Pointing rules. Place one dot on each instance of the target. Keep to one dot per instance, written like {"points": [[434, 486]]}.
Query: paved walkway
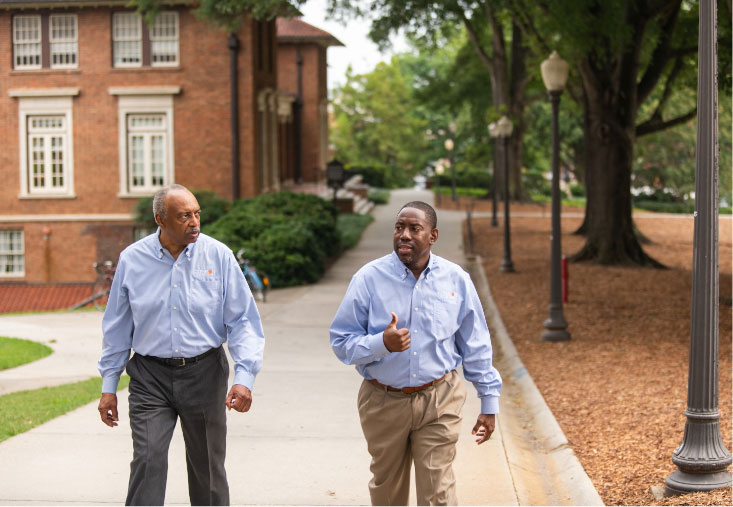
{"points": [[300, 445]]}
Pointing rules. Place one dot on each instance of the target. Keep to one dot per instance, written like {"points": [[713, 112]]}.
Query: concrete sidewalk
{"points": [[301, 444]]}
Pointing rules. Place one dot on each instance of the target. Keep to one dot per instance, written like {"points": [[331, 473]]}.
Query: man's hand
{"points": [[396, 340], [239, 398], [484, 427], [108, 409]]}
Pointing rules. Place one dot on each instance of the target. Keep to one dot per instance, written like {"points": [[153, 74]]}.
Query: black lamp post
{"points": [[702, 458], [335, 176], [439, 169], [503, 130], [449, 145], [555, 74], [492, 133]]}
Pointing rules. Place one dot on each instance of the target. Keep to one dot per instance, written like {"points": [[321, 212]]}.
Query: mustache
{"points": [[191, 230]]}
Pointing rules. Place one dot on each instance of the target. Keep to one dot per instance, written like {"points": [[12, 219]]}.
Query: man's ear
{"points": [[433, 236], [158, 221]]}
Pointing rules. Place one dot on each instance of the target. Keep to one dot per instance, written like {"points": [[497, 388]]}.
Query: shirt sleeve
{"points": [[246, 339], [350, 339], [474, 345], [117, 329]]}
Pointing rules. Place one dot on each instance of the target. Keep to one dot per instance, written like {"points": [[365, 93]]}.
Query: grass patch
{"points": [[350, 226], [465, 191], [577, 202], [16, 351], [25, 410], [379, 195]]}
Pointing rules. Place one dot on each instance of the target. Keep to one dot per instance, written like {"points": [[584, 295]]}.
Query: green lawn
{"points": [[25, 410], [15, 351], [350, 226]]}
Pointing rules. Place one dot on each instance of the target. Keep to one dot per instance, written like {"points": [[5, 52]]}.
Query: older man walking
{"points": [[177, 296], [407, 321]]}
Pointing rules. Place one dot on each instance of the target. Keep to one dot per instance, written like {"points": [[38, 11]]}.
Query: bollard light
{"points": [[449, 145], [503, 130]]}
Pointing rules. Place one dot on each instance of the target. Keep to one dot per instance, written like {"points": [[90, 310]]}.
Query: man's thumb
{"points": [[393, 323]]}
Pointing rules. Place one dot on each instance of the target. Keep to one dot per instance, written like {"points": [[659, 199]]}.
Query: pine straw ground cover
{"points": [[619, 388]]}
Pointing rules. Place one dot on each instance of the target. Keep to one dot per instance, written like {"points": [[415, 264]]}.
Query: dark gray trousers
{"points": [[159, 395]]}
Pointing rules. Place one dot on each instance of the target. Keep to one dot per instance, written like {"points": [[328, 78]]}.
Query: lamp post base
{"points": [[494, 222], [555, 335], [681, 483], [507, 266]]}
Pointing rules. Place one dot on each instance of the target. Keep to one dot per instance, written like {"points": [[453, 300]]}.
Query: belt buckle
{"points": [[181, 359]]}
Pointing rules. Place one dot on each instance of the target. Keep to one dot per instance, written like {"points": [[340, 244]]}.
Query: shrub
{"points": [[287, 235], [535, 183], [468, 178], [665, 207], [213, 207], [577, 190], [379, 195]]}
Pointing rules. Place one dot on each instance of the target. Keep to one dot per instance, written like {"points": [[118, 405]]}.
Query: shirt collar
{"points": [[159, 250], [404, 270]]}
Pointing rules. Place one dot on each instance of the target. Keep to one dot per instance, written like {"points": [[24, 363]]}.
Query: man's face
{"points": [[182, 222], [413, 237]]}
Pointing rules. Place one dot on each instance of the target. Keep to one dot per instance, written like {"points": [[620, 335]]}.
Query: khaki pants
{"points": [[423, 427]]}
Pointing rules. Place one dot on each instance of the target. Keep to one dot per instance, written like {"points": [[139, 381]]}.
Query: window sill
{"points": [[47, 196], [146, 68], [132, 195], [43, 72]]}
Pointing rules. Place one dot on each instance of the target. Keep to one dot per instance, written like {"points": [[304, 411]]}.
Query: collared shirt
{"points": [[443, 313], [166, 307]]}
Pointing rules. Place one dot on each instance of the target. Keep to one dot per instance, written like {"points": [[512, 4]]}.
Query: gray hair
{"points": [[159, 199]]}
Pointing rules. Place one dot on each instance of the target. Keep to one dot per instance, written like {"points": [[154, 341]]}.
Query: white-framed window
{"points": [[145, 119], [26, 42], [164, 39], [127, 39], [63, 41], [46, 147], [12, 253], [146, 142], [131, 49]]}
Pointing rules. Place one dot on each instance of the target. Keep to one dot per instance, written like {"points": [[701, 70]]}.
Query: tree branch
{"points": [[661, 54], [473, 37], [655, 124], [668, 87]]}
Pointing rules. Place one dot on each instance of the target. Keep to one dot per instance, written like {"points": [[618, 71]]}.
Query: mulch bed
{"points": [[619, 387]]}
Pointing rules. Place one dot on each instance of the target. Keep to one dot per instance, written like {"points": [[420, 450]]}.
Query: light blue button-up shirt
{"points": [[443, 313], [166, 307]]}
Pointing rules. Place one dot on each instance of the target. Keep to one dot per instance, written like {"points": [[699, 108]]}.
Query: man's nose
{"points": [[405, 233]]}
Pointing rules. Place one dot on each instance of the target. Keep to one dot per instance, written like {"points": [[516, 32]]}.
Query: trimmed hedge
{"points": [[286, 235]]}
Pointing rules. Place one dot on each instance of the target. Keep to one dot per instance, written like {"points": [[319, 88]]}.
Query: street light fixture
{"points": [[555, 75], [503, 130], [493, 134], [449, 145], [702, 459]]}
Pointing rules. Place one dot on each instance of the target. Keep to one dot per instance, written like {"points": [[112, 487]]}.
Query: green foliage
{"points": [[468, 177], [287, 235], [536, 183], [24, 410], [227, 15], [377, 124], [479, 193], [577, 190], [15, 352], [350, 227], [665, 207], [379, 195], [212, 208]]}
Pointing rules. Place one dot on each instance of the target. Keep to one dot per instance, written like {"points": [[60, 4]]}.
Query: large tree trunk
{"points": [[610, 233]]}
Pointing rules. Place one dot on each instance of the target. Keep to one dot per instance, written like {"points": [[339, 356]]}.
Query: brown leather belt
{"points": [[407, 390]]}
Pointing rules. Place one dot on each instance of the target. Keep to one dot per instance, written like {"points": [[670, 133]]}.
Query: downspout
{"points": [[233, 44], [298, 119]]}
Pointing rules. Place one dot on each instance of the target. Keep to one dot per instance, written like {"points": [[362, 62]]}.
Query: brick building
{"points": [[302, 80], [98, 109]]}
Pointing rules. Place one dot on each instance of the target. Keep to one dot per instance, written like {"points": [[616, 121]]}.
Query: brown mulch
{"points": [[619, 387]]}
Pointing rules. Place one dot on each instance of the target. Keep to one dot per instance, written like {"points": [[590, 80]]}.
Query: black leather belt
{"points": [[178, 362]]}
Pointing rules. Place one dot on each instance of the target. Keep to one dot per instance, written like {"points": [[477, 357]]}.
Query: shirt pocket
{"points": [[447, 305], [205, 292]]}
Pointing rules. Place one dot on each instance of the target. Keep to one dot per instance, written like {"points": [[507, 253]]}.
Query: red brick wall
{"points": [[315, 89], [202, 135]]}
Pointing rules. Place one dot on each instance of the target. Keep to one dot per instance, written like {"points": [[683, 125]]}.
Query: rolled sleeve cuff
{"points": [[490, 405], [245, 379], [377, 346], [109, 384]]}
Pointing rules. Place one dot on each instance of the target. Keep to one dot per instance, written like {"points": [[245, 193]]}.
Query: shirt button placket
{"points": [[175, 302]]}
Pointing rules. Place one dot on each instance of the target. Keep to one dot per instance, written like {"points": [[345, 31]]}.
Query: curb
{"points": [[544, 467]]}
